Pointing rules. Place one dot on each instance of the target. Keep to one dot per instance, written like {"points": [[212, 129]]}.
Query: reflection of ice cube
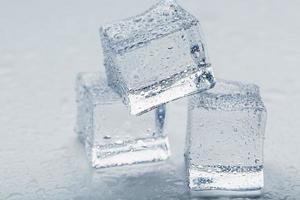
{"points": [[111, 135], [225, 140], [156, 57], [139, 182]]}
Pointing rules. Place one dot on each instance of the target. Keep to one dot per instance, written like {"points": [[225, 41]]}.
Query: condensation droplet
{"points": [[107, 137]]}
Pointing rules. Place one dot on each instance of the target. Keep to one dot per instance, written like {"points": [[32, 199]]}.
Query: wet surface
{"points": [[43, 45]]}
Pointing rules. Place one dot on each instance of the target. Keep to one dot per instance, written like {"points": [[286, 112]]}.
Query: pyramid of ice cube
{"points": [[154, 58]]}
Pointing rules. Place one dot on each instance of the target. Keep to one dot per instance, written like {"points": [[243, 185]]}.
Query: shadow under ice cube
{"points": [[224, 150], [156, 57], [112, 136]]}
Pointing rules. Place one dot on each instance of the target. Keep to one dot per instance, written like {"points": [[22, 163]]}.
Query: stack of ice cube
{"points": [[154, 58]]}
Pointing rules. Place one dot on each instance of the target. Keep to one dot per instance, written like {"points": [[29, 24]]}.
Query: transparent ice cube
{"points": [[156, 57], [224, 150], [112, 136]]}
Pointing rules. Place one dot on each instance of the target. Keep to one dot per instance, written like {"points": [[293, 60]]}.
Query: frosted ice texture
{"points": [[156, 57], [225, 134], [111, 135]]}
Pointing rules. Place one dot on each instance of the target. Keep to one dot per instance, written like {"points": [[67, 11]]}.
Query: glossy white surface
{"points": [[44, 44]]}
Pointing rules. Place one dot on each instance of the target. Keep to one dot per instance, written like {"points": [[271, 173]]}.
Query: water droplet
{"points": [[200, 166], [150, 19], [119, 142], [137, 19], [118, 36], [195, 49], [141, 143], [106, 137], [165, 13]]}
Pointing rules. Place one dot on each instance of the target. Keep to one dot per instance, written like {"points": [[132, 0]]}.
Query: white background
{"points": [[44, 44]]}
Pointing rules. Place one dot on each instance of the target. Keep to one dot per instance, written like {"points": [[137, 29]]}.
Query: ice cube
{"points": [[112, 136], [156, 57], [224, 150]]}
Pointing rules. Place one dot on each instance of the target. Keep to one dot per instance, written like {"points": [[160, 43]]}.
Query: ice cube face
{"points": [[156, 57], [112, 136], [224, 150]]}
